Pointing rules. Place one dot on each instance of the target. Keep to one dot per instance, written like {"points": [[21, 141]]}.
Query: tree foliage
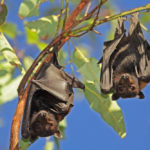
{"points": [[42, 26]]}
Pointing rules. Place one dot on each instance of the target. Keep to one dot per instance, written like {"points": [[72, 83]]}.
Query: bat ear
{"points": [[58, 134], [115, 96], [140, 95]]}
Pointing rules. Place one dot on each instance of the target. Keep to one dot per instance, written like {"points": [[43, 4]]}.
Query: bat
{"points": [[126, 62], [49, 100]]}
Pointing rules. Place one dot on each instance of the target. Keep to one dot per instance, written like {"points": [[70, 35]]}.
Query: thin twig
{"points": [[70, 58], [59, 19], [90, 14], [96, 32], [57, 143], [87, 9], [94, 21], [66, 14]]}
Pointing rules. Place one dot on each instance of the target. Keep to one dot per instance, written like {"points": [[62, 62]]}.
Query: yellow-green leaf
{"points": [[45, 27], [24, 144], [9, 91], [27, 62], [49, 146], [9, 29], [62, 57], [6, 71], [9, 53], [145, 18], [79, 57], [62, 127], [33, 38], [29, 8], [108, 109]]}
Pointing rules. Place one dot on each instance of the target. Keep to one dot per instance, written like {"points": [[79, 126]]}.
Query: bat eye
{"points": [[132, 88], [51, 124], [121, 89]]}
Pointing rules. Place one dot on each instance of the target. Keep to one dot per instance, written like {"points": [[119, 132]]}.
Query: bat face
{"points": [[43, 119], [43, 124], [126, 86]]}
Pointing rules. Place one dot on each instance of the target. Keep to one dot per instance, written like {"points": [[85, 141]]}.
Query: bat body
{"points": [[126, 62], [50, 99]]}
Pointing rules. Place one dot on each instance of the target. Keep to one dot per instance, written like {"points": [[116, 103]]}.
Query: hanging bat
{"points": [[49, 100], [126, 62]]}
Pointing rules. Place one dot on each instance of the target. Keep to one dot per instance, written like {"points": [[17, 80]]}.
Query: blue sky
{"points": [[85, 128]]}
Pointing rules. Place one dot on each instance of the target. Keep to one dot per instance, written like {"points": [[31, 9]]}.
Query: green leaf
{"points": [[29, 8], [33, 38], [3, 13], [79, 57], [9, 53], [52, 1], [108, 109], [9, 29], [5, 78], [110, 32], [145, 18], [24, 144], [9, 91], [45, 26], [61, 57], [6, 71], [62, 127], [91, 71], [49, 146], [27, 62]]}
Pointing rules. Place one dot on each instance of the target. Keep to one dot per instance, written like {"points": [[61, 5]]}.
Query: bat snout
{"points": [[124, 78]]}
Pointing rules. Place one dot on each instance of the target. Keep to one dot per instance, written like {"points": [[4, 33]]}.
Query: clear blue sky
{"points": [[85, 128]]}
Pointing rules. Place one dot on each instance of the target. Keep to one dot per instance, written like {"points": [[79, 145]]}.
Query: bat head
{"points": [[126, 86], [43, 123]]}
